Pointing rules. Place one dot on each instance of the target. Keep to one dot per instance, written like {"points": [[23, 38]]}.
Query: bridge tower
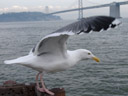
{"points": [[80, 6], [46, 9], [115, 10]]}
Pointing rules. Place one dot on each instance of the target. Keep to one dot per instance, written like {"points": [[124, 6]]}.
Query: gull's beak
{"points": [[96, 59]]}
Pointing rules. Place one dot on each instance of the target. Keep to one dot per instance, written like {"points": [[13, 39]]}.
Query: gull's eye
{"points": [[89, 53]]}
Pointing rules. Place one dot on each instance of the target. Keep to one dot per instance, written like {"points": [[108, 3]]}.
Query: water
{"points": [[88, 78]]}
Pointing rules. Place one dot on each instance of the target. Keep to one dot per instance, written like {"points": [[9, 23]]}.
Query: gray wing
{"points": [[55, 43], [95, 24], [52, 44]]}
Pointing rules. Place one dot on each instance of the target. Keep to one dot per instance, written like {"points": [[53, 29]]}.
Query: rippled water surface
{"points": [[88, 78]]}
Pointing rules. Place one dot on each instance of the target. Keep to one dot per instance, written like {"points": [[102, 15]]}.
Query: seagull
{"points": [[51, 54]]}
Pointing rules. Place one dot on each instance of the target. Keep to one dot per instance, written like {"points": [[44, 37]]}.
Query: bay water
{"points": [[88, 78]]}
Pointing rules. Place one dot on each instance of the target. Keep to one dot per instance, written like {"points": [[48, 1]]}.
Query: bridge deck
{"points": [[90, 7]]}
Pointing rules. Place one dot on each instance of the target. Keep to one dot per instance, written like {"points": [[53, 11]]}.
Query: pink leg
{"points": [[43, 86], [37, 84], [43, 89]]}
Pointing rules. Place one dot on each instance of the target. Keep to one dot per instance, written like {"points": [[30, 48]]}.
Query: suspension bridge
{"points": [[114, 9]]}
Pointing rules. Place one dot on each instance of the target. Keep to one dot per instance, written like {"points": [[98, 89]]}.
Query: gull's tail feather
{"points": [[20, 60], [9, 62], [14, 61]]}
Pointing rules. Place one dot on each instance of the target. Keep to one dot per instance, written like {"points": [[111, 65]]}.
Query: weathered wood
{"points": [[57, 91], [11, 88]]}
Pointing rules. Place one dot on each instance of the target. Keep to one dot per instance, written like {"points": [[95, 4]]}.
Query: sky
{"points": [[56, 5]]}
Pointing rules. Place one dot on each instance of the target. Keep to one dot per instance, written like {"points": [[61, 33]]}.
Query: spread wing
{"points": [[51, 44], [55, 43]]}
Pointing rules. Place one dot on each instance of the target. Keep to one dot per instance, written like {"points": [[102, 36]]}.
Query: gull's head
{"points": [[86, 54]]}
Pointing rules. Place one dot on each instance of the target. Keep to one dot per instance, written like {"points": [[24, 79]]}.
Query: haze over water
{"points": [[88, 78]]}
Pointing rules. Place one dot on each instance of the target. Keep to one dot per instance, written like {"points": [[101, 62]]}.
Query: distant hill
{"points": [[27, 16]]}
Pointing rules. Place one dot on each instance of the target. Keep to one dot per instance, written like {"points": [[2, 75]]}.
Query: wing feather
{"points": [[55, 43]]}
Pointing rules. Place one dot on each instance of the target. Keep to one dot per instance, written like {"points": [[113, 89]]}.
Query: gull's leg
{"points": [[37, 84], [43, 86]]}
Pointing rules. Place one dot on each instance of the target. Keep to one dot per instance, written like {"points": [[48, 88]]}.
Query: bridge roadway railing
{"points": [[84, 8], [90, 7]]}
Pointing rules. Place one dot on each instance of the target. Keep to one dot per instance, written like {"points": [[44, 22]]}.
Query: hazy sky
{"points": [[55, 5]]}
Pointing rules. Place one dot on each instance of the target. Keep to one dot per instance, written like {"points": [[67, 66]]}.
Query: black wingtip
{"points": [[100, 23]]}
